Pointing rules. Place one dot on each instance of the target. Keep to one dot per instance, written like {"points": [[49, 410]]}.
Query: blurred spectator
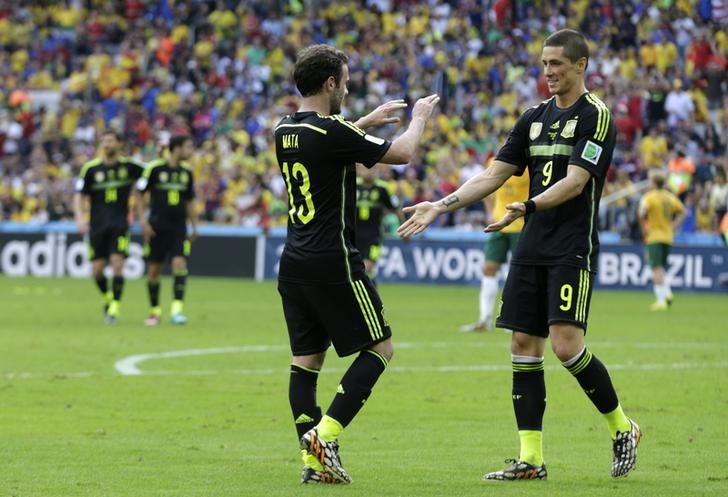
{"points": [[680, 171], [218, 70]]}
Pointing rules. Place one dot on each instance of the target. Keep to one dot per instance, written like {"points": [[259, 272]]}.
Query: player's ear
{"points": [[582, 64]]}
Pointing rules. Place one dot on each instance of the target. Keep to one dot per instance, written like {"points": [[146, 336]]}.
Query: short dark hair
{"points": [[573, 43], [113, 133], [314, 65], [177, 141]]}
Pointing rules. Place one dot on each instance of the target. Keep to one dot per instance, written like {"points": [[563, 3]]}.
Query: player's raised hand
{"points": [[424, 106], [381, 115], [515, 210], [423, 214]]}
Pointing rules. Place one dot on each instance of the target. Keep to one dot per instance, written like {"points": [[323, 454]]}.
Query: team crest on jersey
{"points": [[99, 176], [163, 176], [591, 152], [535, 130], [123, 173], [184, 177], [569, 128]]}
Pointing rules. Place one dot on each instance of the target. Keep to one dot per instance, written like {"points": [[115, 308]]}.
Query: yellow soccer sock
{"points": [[155, 311], [311, 461], [177, 307], [108, 297], [113, 308], [329, 429], [617, 421], [531, 447]]}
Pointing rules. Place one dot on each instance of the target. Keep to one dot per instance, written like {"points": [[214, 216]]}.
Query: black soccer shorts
{"points": [[349, 315], [535, 297], [167, 242], [104, 242]]}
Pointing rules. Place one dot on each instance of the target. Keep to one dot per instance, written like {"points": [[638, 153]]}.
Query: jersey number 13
{"points": [[301, 208]]}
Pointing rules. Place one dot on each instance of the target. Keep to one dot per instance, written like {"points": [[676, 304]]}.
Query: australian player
{"points": [[499, 245], [660, 213]]}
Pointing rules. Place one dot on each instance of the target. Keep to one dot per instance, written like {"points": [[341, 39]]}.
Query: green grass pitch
{"points": [[197, 424]]}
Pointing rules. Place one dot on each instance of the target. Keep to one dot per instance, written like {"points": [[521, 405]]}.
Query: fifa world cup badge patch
{"points": [[591, 152], [535, 130]]}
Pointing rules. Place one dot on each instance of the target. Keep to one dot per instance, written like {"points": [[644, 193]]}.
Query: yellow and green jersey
{"points": [[515, 189], [660, 207]]}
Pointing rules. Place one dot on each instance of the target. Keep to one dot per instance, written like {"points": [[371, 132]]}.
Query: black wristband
{"points": [[530, 206]]}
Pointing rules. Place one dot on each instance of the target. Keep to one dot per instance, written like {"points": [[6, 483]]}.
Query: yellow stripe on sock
{"points": [[314, 371], [378, 355]]}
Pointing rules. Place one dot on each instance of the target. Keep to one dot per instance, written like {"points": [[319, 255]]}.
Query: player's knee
{"points": [[528, 345], [179, 265], [385, 349], [566, 349], [490, 268], [313, 361], [567, 340]]}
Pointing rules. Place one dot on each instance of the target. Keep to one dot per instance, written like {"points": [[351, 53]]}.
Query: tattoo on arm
{"points": [[448, 201]]}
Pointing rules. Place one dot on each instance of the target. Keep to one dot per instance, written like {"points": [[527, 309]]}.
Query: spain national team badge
{"points": [[535, 130], [569, 128]]}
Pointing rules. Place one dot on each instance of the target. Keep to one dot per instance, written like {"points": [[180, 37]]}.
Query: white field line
{"points": [[129, 366], [455, 368]]}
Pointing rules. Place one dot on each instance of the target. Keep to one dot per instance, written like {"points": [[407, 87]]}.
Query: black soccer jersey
{"points": [[317, 156], [546, 139], [372, 199], [170, 189], [108, 187]]}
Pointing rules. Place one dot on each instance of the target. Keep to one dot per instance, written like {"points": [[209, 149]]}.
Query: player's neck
{"points": [[109, 160], [173, 161], [316, 103], [569, 98]]}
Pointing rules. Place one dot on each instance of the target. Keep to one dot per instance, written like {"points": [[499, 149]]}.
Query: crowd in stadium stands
{"points": [[219, 70]]}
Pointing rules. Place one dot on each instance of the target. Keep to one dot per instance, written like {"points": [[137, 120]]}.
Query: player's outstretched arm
{"points": [[476, 188], [404, 146], [561, 191], [381, 115]]}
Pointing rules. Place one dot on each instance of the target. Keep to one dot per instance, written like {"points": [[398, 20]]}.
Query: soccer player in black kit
{"points": [[107, 182], [373, 200], [326, 295], [567, 143], [171, 186]]}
